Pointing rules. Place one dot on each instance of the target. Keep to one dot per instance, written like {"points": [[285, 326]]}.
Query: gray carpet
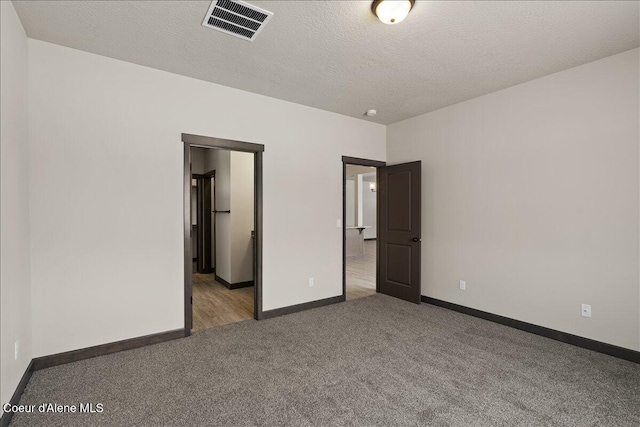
{"points": [[371, 361]]}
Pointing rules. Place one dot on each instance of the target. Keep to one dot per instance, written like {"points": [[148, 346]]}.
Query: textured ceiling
{"points": [[336, 56]]}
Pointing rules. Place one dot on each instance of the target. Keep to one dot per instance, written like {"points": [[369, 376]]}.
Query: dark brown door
{"points": [[400, 231], [205, 246]]}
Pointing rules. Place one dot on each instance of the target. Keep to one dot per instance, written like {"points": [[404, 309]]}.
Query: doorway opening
{"points": [[360, 227], [223, 231], [397, 229]]}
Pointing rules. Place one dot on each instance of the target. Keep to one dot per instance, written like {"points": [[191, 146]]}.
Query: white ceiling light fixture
{"points": [[392, 11]]}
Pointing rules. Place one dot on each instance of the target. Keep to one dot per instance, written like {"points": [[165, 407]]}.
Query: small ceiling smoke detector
{"points": [[237, 18], [392, 11], [371, 113]]}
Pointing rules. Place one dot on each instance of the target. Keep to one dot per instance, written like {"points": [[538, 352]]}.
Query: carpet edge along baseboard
{"points": [[103, 349], [589, 344], [301, 307], [17, 394]]}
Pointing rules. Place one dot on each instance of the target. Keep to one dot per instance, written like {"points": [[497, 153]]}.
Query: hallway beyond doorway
{"points": [[216, 305], [361, 272]]}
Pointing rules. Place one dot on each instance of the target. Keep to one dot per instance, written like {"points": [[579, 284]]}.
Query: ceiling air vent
{"points": [[237, 18]]}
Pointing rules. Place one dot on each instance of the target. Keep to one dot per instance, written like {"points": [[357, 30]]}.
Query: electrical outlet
{"points": [[310, 281], [463, 285], [586, 310], [15, 350]]}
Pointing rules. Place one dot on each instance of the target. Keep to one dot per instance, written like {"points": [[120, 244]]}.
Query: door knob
{"points": [[416, 239]]}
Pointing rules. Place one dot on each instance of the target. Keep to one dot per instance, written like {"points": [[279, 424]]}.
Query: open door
{"points": [[400, 229]]}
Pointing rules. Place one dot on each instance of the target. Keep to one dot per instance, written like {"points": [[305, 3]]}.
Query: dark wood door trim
{"points": [[362, 162], [221, 143], [231, 145], [358, 162], [188, 257], [257, 242]]}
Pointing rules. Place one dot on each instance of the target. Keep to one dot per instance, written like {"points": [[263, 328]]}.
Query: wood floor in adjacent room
{"points": [[215, 305], [361, 272]]}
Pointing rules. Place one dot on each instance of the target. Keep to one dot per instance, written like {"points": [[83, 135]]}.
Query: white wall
{"points": [[350, 202], [369, 206], [194, 206], [531, 195], [15, 282], [233, 191], [197, 161], [220, 161], [93, 122], [242, 213]]}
